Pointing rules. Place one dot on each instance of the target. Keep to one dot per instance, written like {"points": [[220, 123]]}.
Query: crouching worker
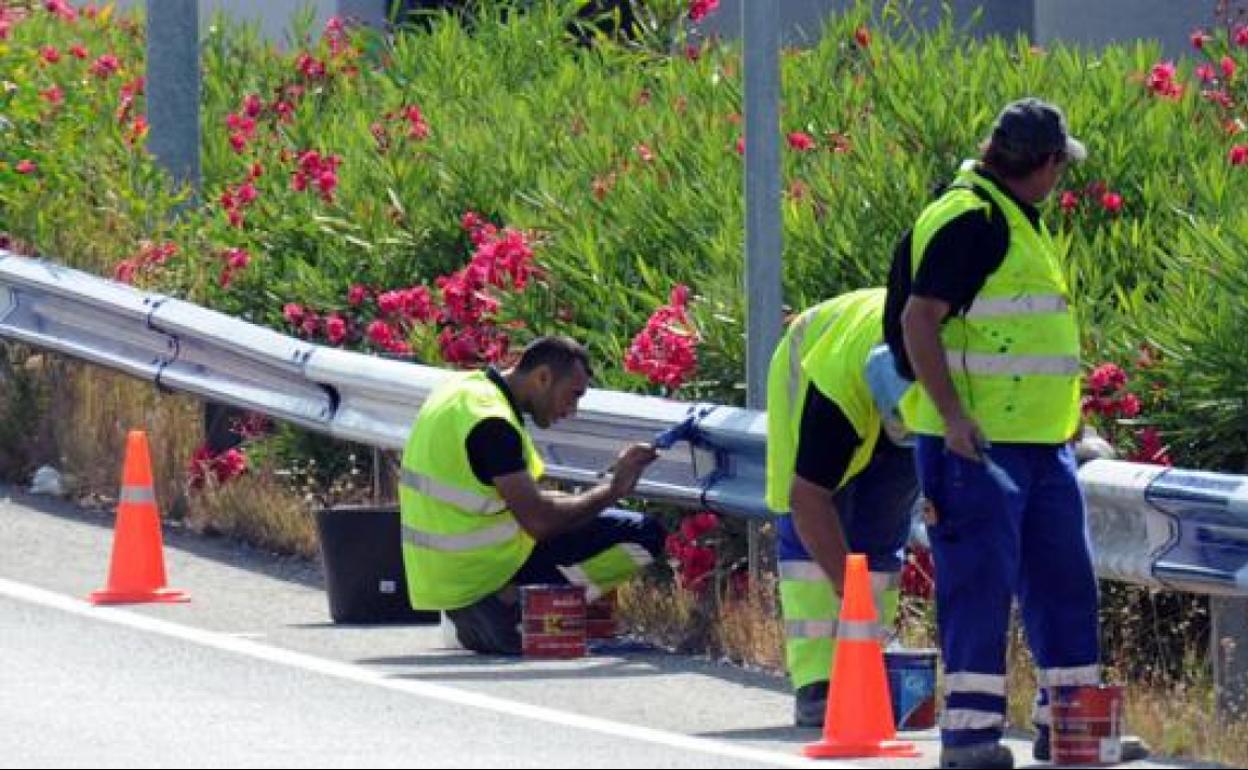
{"points": [[476, 525], [839, 471]]}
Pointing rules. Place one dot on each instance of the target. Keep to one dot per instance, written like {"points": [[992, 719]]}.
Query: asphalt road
{"points": [[252, 673]]}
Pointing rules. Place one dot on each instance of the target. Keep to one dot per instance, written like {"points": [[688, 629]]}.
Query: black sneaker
{"points": [[810, 704], [981, 755], [1133, 748], [489, 626]]}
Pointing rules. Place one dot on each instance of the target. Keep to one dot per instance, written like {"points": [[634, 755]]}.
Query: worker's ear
{"points": [[543, 377]]}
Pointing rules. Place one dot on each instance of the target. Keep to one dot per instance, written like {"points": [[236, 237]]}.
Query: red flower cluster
{"points": [[918, 573], [700, 9], [1151, 449], [462, 309], [801, 141], [220, 468], [1107, 394], [1111, 202], [1161, 82], [61, 8], [150, 255], [417, 129], [318, 170], [690, 548], [665, 351], [9, 17]]}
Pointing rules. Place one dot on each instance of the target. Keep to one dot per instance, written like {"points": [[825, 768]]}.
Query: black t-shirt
{"points": [[956, 264], [826, 441], [494, 446]]}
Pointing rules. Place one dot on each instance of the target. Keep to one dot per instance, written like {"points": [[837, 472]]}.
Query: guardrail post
{"points": [[1229, 642]]}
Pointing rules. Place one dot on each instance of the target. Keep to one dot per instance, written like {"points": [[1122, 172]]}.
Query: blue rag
{"points": [[684, 430]]}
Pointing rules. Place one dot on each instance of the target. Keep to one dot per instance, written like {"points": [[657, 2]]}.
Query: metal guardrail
{"points": [[1155, 526], [186, 348], [1161, 527]]}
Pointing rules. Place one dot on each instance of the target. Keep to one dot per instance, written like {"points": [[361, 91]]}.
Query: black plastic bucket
{"points": [[363, 563]]}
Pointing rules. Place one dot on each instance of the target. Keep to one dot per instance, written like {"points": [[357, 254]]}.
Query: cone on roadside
{"points": [[859, 719], [137, 571]]}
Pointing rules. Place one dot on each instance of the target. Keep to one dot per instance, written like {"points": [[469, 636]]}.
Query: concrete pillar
{"points": [[173, 88]]}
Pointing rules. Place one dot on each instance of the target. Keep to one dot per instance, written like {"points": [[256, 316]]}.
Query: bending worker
{"points": [[848, 485], [476, 525]]}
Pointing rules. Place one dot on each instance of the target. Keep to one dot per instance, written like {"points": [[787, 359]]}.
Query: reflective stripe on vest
{"points": [[137, 494], [801, 328], [805, 571], [445, 493], [579, 574], [986, 363], [468, 541], [1026, 305], [810, 629]]}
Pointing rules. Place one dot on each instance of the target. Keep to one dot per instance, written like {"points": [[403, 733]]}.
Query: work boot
{"points": [[810, 704], [490, 626], [1133, 748], [990, 756]]}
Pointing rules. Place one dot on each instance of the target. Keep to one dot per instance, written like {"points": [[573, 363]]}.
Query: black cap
{"points": [[1030, 126]]}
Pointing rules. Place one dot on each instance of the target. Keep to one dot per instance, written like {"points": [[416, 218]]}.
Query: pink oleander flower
{"points": [[700, 9], [335, 329], [801, 141], [105, 66]]}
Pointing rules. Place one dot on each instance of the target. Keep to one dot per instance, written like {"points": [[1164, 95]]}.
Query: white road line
{"points": [[361, 675]]}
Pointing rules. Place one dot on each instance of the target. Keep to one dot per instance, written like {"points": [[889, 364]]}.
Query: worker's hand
{"points": [[629, 466], [963, 437]]}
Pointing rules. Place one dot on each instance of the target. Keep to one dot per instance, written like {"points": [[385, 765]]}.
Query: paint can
{"points": [[553, 621], [1086, 724], [600, 617], [912, 687]]}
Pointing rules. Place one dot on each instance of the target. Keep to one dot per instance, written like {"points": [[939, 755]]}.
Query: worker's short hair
{"points": [[559, 352]]}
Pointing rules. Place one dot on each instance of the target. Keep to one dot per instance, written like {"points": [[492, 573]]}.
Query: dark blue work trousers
{"points": [[991, 546]]}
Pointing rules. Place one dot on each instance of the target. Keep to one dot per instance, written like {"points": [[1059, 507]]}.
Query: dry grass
{"points": [[83, 431], [257, 508], [93, 410], [744, 630]]}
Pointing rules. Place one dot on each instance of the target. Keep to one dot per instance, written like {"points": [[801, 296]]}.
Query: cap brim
{"points": [[1075, 150]]}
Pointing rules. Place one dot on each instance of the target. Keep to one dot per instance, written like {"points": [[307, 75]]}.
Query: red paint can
{"points": [[1087, 724], [600, 617], [553, 621]]}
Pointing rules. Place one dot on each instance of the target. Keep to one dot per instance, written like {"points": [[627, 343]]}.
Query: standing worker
{"points": [[832, 461], [476, 525], [979, 300]]}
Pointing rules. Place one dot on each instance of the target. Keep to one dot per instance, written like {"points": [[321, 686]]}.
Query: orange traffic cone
{"points": [[859, 719], [137, 571]]}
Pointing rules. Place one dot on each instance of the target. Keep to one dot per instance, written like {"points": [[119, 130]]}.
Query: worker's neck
{"points": [[1028, 189]]}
